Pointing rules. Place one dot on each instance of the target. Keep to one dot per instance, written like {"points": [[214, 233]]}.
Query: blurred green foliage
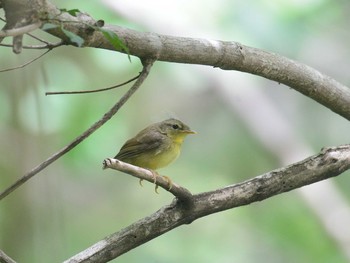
{"points": [[73, 203]]}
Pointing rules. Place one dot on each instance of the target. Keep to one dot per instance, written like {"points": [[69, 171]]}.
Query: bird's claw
{"points": [[170, 184], [154, 175]]}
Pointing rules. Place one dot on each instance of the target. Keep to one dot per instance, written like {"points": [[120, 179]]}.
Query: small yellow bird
{"points": [[156, 146]]}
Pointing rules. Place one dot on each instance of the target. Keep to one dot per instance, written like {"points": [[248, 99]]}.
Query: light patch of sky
{"points": [[47, 115], [291, 5], [185, 18]]}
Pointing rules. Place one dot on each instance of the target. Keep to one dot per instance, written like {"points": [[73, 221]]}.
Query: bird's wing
{"points": [[145, 143]]}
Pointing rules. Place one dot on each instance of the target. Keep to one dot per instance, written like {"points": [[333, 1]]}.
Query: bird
{"points": [[156, 146]]}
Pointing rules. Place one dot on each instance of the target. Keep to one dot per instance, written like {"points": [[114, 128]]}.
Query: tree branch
{"points": [[5, 258], [178, 191], [227, 55], [91, 91], [21, 18], [328, 163], [27, 63], [147, 64]]}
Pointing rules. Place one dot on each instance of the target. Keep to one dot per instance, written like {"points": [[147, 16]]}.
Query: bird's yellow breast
{"points": [[160, 158]]}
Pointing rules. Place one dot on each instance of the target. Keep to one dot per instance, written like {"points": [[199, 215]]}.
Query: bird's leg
{"points": [[154, 175], [140, 182], [170, 183]]}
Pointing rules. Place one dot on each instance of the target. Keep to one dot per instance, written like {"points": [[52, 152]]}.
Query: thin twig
{"points": [[39, 39], [27, 63], [5, 258], [180, 192], [147, 64], [91, 91], [48, 46], [20, 30]]}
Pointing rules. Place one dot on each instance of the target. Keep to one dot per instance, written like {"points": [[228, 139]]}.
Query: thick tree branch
{"points": [[223, 54], [328, 163], [277, 131]]}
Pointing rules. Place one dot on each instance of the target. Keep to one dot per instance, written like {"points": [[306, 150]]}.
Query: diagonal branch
{"points": [[27, 63], [5, 258], [147, 64], [328, 163]]}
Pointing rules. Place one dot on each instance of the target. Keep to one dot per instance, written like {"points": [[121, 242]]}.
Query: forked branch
{"points": [[328, 163]]}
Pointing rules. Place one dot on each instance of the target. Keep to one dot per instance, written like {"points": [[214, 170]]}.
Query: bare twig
{"points": [[19, 30], [48, 46], [39, 39], [178, 191], [91, 91], [25, 64], [147, 64], [328, 163], [5, 258]]}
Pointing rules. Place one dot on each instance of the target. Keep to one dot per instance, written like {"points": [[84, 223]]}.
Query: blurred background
{"points": [[246, 126]]}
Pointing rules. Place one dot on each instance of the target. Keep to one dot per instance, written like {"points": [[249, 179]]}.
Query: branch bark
{"points": [[328, 163], [21, 18], [5, 258], [227, 55], [178, 191]]}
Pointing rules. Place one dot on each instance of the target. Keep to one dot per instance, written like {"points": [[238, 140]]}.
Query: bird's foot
{"points": [[170, 183], [155, 175]]}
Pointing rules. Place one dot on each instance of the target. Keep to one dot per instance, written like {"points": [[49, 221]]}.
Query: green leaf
{"points": [[116, 42], [72, 12], [73, 37]]}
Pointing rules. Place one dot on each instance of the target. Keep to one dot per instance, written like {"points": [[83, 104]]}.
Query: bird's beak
{"points": [[189, 132]]}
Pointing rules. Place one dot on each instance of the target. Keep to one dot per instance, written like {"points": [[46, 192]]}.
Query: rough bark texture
{"points": [[228, 56], [330, 162], [223, 54]]}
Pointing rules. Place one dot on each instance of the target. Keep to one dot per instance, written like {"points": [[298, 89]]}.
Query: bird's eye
{"points": [[175, 126]]}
